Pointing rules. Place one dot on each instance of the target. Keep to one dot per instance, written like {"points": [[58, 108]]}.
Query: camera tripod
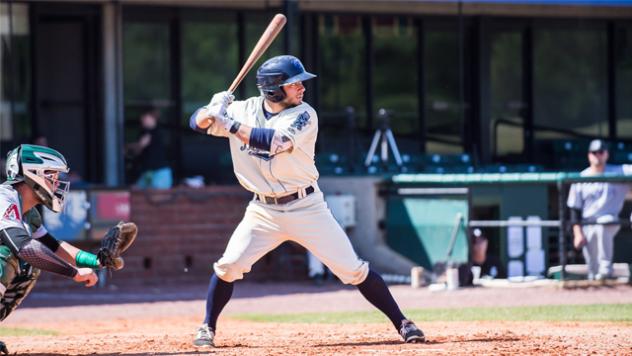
{"points": [[384, 135]]}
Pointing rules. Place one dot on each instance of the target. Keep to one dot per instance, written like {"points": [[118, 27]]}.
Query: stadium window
{"points": [[15, 70], [570, 81], [506, 93], [442, 104], [147, 75], [203, 34], [341, 80], [395, 77], [623, 75]]}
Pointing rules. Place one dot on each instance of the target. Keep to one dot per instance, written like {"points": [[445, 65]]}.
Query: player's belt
{"points": [[284, 199]]}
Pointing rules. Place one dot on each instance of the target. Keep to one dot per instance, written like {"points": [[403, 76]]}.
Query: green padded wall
{"points": [[420, 228]]}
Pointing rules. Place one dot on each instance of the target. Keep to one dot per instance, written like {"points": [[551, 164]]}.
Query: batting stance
{"points": [[272, 140], [26, 247]]}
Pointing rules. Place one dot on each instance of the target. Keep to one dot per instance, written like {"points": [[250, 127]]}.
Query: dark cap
{"points": [[597, 145]]}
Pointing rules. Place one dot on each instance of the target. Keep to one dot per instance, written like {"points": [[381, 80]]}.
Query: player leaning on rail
{"points": [[26, 247], [272, 139]]}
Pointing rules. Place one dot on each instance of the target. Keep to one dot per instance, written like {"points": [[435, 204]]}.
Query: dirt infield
{"points": [[162, 322]]}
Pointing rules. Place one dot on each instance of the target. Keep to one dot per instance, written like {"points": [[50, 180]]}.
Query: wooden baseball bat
{"points": [[264, 42]]}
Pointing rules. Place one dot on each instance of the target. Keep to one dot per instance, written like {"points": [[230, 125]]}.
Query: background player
{"points": [[33, 178], [272, 140], [599, 202]]}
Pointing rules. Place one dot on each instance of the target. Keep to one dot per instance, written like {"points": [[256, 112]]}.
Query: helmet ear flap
{"points": [[274, 95]]}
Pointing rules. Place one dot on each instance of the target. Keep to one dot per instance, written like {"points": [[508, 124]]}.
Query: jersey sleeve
{"points": [[574, 197]]}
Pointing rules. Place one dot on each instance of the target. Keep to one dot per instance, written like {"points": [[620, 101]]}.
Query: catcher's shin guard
{"points": [[20, 280]]}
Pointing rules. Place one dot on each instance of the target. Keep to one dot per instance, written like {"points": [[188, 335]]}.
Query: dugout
{"points": [[519, 212]]}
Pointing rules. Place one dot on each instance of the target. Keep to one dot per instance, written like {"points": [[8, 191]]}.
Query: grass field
{"points": [[26, 332], [592, 312]]}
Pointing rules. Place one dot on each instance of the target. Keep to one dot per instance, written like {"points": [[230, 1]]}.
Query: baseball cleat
{"points": [[3, 348], [204, 337], [411, 333]]}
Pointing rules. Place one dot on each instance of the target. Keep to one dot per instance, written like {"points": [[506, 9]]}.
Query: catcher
{"points": [[33, 178]]}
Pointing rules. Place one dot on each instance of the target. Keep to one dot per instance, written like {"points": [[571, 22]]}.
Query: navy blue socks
{"points": [[375, 291], [219, 293]]}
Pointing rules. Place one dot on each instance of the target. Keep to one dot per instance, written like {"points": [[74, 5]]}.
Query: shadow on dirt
{"points": [[479, 339], [361, 343], [147, 294], [183, 353]]}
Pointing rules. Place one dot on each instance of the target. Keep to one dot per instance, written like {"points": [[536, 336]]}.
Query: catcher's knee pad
{"points": [[18, 288], [229, 271], [353, 276], [8, 268]]}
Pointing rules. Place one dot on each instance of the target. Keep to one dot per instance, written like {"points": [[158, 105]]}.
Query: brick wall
{"points": [[182, 232]]}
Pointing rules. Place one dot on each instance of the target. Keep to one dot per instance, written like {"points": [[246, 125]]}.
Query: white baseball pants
{"points": [[306, 221]]}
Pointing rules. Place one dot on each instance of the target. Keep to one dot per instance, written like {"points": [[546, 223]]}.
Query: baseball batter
{"points": [[600, 202], [272, 140]]}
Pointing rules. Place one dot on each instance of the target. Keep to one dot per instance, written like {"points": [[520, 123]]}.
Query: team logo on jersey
{"points": [[12, 213], [301, 121], [264, 155], [260, 154]]}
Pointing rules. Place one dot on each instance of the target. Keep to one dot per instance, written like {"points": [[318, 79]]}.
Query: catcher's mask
{"points": [[277, 72], [40, 168]]}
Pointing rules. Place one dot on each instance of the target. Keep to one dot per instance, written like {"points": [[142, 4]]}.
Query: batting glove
{"points": [[224, 121], [219, 103]]}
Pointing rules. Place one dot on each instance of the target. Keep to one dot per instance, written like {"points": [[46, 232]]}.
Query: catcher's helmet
{"points": [[277, 72], [39, 167]]}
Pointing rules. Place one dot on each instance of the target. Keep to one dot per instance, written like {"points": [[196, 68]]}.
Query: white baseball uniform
{"points": [[11, 213], [306, 220], [602, 202]]}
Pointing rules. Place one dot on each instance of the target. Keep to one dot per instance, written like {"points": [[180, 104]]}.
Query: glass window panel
{"points": [[209, 65], [623, 75], [255, 24], [507, 120], [394, 77], [15, 76], [209, 59], [444, 121], [147, 80], [341, 79], [146, 62], [570, 82]]}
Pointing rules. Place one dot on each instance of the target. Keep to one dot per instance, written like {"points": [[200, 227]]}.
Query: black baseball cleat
{"points": [[3, 348], [411, 333]]}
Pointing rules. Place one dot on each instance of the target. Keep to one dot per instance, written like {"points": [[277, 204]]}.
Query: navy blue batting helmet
{"points": [[277, 72]]}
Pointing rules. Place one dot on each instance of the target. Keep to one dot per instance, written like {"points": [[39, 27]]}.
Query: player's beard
{"points": [[287, 103]]}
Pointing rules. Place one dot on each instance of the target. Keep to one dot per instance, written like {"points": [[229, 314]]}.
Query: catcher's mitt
{"points": [[118, 239]]}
